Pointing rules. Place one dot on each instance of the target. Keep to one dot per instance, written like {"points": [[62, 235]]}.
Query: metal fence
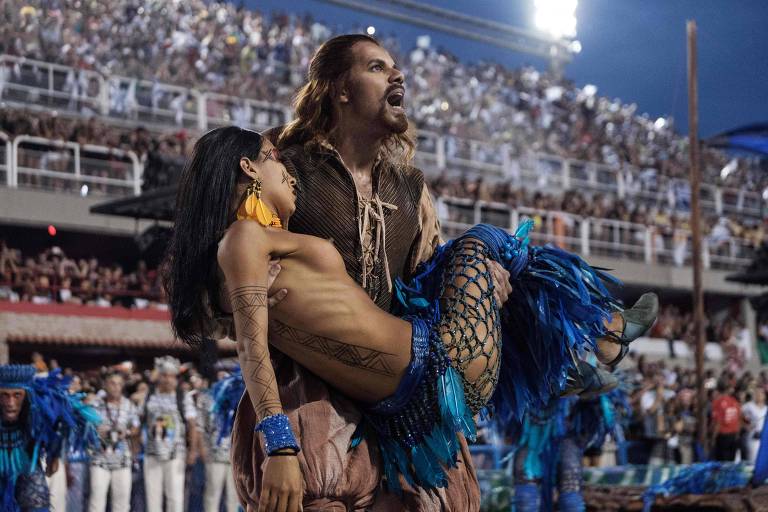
{"points": [[6, 156], [596, 236], [40, 163]]}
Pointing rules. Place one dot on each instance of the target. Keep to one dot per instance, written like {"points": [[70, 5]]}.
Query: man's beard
{"points": [[394, 124]]}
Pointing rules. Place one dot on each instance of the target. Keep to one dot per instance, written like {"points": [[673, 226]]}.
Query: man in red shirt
{"points": [[726, 420]]}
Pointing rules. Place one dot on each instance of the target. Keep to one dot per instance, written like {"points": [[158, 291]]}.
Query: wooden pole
{"points": [[698, 292]]}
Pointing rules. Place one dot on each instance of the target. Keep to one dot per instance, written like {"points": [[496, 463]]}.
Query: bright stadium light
{"points": [[575, 46], [371, 30], [556, 17]]}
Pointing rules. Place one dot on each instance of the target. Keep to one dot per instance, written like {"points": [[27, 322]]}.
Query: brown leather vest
{"points": [[327, 207]]}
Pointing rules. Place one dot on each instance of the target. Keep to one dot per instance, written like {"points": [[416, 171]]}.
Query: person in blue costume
{"points": [[550, 450], [421, 375], [39, 417]]}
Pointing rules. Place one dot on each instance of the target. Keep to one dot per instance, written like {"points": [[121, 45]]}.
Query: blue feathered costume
{"points": [[550, 450], [50, 418], [558, 306]]}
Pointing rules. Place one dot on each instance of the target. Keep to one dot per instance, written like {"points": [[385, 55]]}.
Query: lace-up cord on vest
{"points": [[373, 236]]}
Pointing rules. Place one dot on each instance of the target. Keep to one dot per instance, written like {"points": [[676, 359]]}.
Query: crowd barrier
{"points": [[595, 236], [27, 82], [87, 169]]}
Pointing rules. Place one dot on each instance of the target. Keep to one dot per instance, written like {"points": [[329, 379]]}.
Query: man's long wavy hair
{"points": [[313, 105]]}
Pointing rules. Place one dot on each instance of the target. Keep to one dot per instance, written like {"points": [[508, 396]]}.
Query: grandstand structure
{"points": [[86, 188]]}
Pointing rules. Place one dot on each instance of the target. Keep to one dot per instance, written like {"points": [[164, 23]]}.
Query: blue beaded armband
{"points": [[277, 433]]}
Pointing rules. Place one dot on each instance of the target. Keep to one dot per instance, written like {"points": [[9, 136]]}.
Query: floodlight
{"points": [[556, 17]]}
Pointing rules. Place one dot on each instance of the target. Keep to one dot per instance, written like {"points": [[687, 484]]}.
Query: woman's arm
{"points": [[244, 258]]}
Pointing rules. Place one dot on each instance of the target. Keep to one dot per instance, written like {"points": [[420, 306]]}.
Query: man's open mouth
{"points": [[395, 99]]}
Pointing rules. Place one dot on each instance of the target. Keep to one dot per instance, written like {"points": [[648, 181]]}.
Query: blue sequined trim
{"points": [[277, 433], [413, 374]]}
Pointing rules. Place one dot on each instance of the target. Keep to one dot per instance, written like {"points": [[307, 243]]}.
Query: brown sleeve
{"points": [[429, 235]]}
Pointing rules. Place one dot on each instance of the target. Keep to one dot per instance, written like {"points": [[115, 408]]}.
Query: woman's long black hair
{"points": [[203, 212]]}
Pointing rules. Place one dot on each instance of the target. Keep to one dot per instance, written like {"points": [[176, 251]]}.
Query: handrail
{"points": [[77, 175], [138, 169], [8, 164], [587, 234]]}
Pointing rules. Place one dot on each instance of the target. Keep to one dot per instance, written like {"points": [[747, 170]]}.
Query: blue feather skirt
{"points": [[558, 303]]}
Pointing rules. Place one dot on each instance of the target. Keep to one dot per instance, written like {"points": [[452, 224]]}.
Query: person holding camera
{"points": [[111, 465]]}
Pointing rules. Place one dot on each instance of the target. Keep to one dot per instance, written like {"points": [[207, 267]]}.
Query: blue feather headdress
{"points": [[54, 418]]}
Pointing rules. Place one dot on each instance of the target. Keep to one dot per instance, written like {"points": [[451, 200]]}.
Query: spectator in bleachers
{"points": [[754, 413], [656, 428], [726, 422]]}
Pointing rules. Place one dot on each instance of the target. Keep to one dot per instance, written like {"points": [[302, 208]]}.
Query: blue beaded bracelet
{"points": [[277, 433]]}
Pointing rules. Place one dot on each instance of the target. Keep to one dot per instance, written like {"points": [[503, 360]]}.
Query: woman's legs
{"points": [[470, 324]]}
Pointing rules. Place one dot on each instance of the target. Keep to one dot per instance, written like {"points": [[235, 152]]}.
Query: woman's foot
{"points": [[626, 327], [588, 381]]}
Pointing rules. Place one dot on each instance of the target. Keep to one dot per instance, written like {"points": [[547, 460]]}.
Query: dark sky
{"points": [[632, 49]]}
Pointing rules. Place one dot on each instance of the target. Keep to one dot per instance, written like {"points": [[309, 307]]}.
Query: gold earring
{"points": [[253, 207]]}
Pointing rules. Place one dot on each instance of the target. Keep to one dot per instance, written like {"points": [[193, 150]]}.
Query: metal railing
{"points": [[151, 102], [51, 85], [6, 157], [595, 236], [223, 110], [28, 82], [87, 169]]}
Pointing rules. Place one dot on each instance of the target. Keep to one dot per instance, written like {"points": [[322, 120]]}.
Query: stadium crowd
{"points": [[663, 419], [226, 48], [51, 277], [151, 409]]}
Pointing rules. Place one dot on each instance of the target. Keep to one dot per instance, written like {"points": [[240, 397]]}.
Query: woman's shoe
{"points": [[588, 381], [637, 320]]}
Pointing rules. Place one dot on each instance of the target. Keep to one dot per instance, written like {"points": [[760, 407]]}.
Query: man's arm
{"points": [[429, 234], [193, 435]]}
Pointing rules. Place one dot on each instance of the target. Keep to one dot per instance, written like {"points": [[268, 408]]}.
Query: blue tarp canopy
{"points": [[752, 138]]}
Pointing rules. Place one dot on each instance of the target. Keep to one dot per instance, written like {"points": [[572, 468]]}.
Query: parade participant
{"points": [[38, 416], [111, 464], [448, 346], [549, 454], [219, 406], [169, 416], [350, 149]]}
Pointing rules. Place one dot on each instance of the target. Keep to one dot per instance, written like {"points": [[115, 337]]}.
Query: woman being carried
{"points": [[424, 374]]}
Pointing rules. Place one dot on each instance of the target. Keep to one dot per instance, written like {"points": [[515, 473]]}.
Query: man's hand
{"points": [[501, 285], [274, 270]]}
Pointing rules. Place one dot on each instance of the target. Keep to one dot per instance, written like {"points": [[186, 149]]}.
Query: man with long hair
{"points": [[348, 149]]}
